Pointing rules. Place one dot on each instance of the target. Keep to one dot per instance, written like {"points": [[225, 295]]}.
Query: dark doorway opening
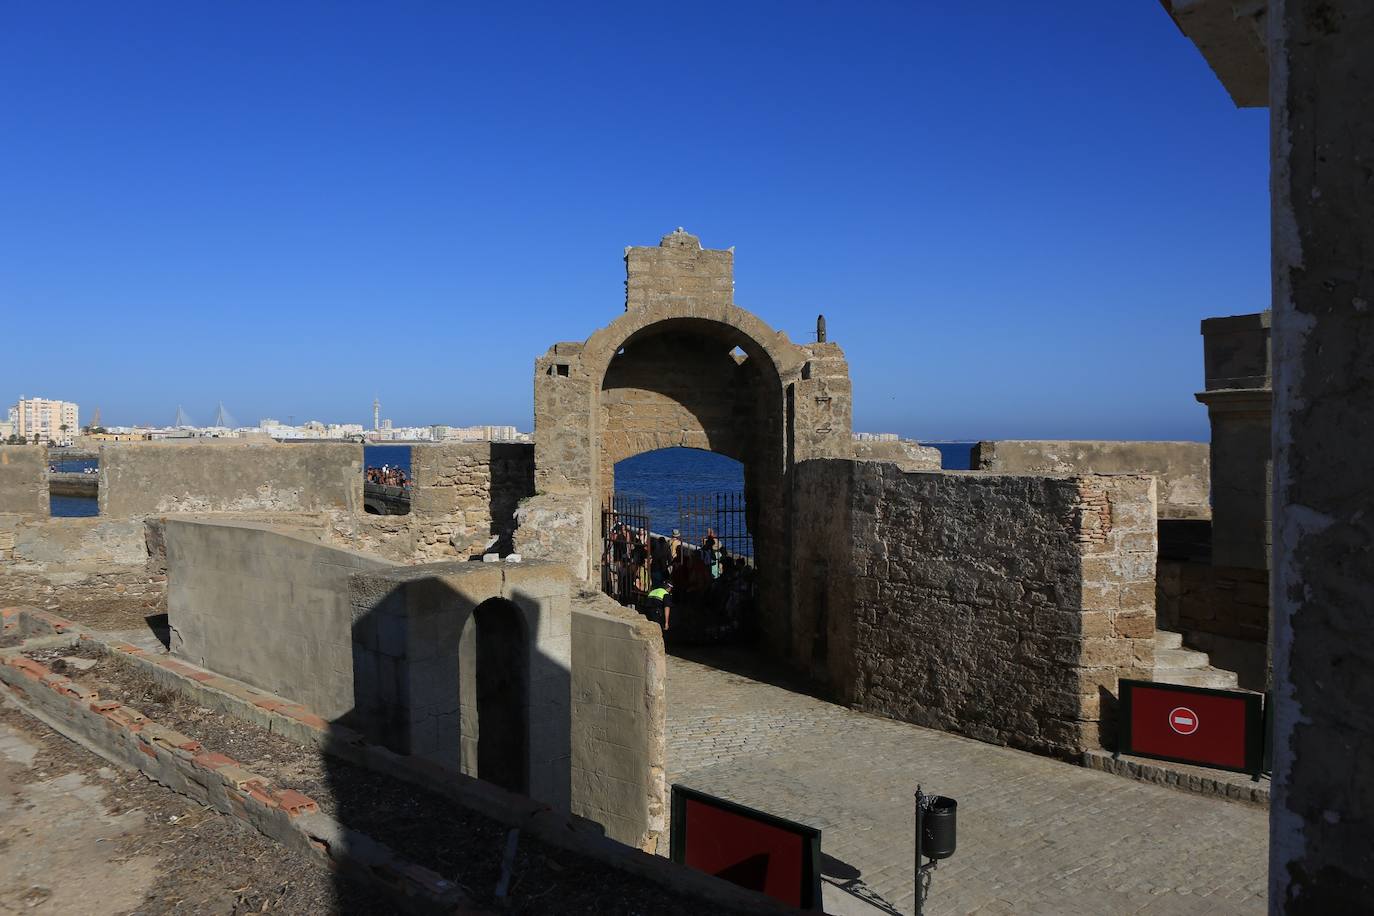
{"points": [[502, 695]]}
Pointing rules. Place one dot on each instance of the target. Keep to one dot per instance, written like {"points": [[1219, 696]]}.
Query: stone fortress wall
{"points": [[1030, 592], [1002, 607], [463, 501], [1004, 603]]}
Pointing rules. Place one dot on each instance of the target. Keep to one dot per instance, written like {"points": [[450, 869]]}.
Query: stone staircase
{"points": [[1177, 665]]}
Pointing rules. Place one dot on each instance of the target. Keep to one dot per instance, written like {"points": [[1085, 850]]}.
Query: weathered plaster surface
{"points": [[1322, 145]]}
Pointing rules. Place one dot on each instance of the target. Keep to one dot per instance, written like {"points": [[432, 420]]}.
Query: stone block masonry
{"points": [[684, 366], [678, 272], [1003, 608]]}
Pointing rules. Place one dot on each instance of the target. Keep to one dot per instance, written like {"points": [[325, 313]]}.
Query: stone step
{"points": [[1168, 639], [1180, 658], [1216, 678]]}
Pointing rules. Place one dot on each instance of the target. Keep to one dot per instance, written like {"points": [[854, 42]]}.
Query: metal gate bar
{"points": [[719, 514], [624, 548]]}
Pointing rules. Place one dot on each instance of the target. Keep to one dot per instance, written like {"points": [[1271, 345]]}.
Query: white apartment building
{"points": [[42, 420]]}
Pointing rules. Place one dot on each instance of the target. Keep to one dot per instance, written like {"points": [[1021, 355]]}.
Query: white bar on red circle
{"points": [[1183, 720]]}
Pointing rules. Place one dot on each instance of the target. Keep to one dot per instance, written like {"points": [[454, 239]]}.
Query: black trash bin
{"points": [[938, 820]]}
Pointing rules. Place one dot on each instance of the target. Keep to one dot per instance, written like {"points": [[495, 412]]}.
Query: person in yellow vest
{"points": [[661, 604]]}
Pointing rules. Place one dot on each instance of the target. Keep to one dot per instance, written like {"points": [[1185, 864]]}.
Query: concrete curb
{"points": [[1231, 786], [298, 723]]}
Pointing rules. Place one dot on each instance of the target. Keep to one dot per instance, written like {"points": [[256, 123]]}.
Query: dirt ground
{"points": [[424, 827], [108, 613], [80, 836]]}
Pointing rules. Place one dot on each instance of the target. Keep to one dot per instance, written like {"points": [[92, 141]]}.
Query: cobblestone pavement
{"points": [[1035, 835]]}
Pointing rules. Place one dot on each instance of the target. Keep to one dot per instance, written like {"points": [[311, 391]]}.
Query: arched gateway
{"points": [[684, 366]]}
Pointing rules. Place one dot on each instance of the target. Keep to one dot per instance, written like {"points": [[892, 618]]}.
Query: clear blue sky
{"points": [[1012, 218]]}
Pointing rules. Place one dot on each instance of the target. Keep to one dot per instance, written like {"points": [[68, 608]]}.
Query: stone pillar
{"points": [[1322, 136], [1239, 404]]}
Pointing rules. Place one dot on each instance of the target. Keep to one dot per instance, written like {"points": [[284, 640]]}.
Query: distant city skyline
{"points": [[312, 205]]}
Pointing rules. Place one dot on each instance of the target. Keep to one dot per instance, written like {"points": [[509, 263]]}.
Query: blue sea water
{"points": [[659, 477], [955, 456], [396, 456], [74, 506]]}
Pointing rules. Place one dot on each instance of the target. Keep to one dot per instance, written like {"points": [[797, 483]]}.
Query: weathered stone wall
{"points": [[1230, 601], [1004, 608], [1322, 831], [1181, 469], [24, 480], [619, 718], [141, 479], [463, 502], [265, 606], [99, 569]]}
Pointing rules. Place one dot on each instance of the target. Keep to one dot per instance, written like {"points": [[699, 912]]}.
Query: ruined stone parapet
{"points": [[906, 454], [1182, 469], [24, 480], [141, 479]]}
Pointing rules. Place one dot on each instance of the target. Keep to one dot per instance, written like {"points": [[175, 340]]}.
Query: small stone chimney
{"points": [[679, 272]]}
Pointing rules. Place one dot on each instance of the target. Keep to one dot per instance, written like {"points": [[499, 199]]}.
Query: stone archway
{"points": [[683, 366]]}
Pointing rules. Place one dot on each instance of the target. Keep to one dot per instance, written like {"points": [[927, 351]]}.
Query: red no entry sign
{"points": [[1183, 720], [1218, 728]]}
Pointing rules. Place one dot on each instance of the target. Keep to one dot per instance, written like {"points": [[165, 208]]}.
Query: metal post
{"points": [[919, 806]]}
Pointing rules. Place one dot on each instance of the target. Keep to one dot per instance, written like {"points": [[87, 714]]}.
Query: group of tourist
{"points": [[657, 574], [388, 476]]}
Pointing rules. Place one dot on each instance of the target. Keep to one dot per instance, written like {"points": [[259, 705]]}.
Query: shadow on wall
{"points": [[512, 479], [459, 680]]}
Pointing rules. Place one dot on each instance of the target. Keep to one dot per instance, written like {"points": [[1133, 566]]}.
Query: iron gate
{"points": [[718, 515], [708, 559], [624, 549]]}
